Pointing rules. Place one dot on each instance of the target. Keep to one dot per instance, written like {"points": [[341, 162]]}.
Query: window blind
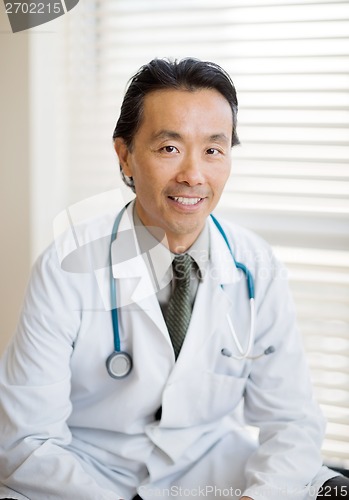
{"points": [[289, 60]]}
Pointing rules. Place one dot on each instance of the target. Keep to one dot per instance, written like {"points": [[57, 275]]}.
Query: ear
{"points": [[123, 153]]}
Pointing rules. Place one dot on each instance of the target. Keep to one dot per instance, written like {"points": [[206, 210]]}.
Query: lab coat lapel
{"points": [[134, 283]]}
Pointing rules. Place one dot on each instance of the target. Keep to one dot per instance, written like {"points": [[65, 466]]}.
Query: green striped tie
{"points": [[179, 307]]}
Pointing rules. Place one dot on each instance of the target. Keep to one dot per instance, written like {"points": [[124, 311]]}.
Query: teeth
{"points": [[187, 201]]}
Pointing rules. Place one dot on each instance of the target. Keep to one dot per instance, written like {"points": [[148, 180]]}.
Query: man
{"points": [[167, 418]]}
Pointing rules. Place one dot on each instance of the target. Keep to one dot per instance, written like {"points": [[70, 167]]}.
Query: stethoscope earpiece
{"points": [[226, 352]]}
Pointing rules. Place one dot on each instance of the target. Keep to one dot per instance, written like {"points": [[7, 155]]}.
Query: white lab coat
{"points": [[70, 431]]}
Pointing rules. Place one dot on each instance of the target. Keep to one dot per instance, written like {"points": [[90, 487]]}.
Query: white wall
{"points": [[14, 175], [32, 156]]}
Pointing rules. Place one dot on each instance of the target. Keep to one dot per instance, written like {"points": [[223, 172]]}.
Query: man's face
{"points": [[180, 160]]}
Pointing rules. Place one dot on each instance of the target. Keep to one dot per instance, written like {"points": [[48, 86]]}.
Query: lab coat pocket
{"points": [[220, 395]]}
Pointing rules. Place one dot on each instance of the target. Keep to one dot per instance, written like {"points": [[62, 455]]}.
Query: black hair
{"points": [[187, 74]]}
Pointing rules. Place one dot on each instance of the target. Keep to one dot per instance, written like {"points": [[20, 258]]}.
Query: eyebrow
{"points": [[219, 137], [171, 134], [167, 134]]}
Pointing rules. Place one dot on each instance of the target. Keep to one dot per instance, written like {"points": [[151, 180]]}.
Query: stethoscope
{"points": [[119, 363]]}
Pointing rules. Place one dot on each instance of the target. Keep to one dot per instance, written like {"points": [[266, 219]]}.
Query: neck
{"points": [[176, 241], [181, 243]]}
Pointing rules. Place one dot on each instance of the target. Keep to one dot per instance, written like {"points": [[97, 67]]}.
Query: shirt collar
{"points": [[199, 251]]}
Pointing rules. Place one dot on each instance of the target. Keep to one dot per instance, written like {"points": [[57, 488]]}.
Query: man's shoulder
{"points": [[242, 239], [251, 250], [75, 243]]}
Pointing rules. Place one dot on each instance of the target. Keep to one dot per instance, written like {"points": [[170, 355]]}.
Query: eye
{"points": [[169, 149], [213, 151]]}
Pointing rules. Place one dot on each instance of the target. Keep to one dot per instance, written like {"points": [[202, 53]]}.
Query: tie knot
{"points": [[182, 269]]}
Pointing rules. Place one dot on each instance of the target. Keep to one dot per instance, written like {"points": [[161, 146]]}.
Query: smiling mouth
{"points": [[185, 201]]}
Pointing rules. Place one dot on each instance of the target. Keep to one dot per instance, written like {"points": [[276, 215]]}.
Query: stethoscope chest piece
{"points": [[119, 364]]}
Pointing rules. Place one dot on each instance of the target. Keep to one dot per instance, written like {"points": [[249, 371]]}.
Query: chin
{"points": [[186, 227]]}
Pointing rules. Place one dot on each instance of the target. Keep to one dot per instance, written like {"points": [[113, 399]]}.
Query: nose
{"points": [[190, 171]]}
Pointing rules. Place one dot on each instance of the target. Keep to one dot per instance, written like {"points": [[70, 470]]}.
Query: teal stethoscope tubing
{"points": [[239, 265], [114, 310], [243, 354], [119, 363]]}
